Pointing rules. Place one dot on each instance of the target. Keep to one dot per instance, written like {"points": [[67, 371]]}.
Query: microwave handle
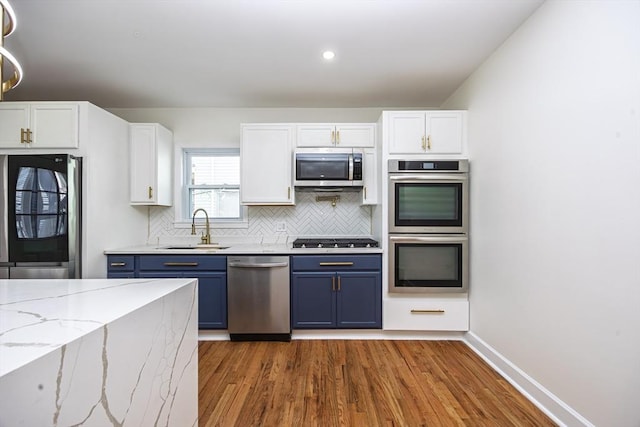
{"points": [[351, 167]]}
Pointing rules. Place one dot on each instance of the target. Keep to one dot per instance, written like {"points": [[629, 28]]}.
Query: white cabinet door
{"points": [[39, 125], [14, 117], [345, 135], [427, 132], [370, 177], [266, 156], [151, 151], [406, 132], [355, 135], [444, 130], [315, 135]]}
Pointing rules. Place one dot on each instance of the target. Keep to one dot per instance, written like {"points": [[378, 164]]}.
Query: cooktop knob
{"points": [[319, 245]]}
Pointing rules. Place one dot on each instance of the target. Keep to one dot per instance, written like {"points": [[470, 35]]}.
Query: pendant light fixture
{"points": [[8, 23]]}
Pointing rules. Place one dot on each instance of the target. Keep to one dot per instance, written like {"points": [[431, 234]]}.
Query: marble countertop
{"points": [[234, 249], [40, 316]]}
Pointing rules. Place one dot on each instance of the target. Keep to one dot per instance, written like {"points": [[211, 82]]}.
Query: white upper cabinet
{"points": [[151, 153], [427, 132], [336, 135], [39, 125], [266, 164]]}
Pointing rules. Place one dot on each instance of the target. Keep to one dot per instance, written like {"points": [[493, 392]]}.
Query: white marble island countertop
{"points": [[71, 350]]}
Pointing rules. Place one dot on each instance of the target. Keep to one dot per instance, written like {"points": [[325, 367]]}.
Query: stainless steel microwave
{"points": [[328, 167], [429, 196]]}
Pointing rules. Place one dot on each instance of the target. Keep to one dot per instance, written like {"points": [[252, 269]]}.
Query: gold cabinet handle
{"points": [[427, 311], [339, 284], [365, 192], [180, 264], [25, 136], [337, 137], [333, 283], [118, 264], [336, 264], [333, 136], [150, 193], [288, 192], [429, 142], [424, 143]]}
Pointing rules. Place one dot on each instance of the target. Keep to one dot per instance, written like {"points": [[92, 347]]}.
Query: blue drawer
{"points": [[182, 262], [117, 263], [335, 262]]}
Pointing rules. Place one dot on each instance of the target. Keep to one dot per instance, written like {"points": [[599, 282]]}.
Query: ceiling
{"points": [[255, 53]]}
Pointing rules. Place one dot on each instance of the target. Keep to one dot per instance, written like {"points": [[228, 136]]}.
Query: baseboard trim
{"points": [[550, 404]]}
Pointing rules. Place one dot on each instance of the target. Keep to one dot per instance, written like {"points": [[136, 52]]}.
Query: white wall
{"points": [[554, 135]]}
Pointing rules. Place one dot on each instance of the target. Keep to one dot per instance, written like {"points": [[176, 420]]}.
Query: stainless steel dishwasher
{"points": [[258, 298]]}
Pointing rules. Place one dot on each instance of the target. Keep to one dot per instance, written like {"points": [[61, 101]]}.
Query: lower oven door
{"points": [[428, 263]]}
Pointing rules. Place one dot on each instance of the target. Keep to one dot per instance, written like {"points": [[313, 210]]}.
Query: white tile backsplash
{"points": [[307, 218]]}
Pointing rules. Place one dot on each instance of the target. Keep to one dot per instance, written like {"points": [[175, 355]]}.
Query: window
{"points": [[212, 183]]}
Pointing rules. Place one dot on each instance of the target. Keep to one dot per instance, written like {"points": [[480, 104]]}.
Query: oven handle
{"points": [[428, 177], [429, 239]]}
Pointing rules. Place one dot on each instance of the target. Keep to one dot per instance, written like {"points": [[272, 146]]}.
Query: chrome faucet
{"points": [[206, 238]]}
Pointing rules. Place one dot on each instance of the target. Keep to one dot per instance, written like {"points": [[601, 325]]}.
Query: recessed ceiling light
{"points": [[328, 55]]}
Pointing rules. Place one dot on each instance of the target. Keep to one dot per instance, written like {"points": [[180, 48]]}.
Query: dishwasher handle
{"points": [[258, 264]]}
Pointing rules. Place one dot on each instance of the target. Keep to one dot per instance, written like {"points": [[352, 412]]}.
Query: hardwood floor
{"points": [[355, 383]]}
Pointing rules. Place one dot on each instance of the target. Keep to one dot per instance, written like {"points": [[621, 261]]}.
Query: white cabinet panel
{"points": [[266, 164], [370, 177]]}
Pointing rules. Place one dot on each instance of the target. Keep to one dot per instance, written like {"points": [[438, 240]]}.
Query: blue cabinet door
{"points": [[359, 300], [212, 300], [313, 301], [212, 295]]}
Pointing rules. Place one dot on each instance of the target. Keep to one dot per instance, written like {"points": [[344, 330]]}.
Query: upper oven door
{"points": [[428, 203]]}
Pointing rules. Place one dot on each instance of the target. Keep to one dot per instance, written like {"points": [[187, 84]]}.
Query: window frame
{"points": [[186, 217]]}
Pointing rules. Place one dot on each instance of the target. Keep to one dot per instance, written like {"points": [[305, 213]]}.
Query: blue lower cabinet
{"points": [[211, 272], [335, 296], [212, 295]]}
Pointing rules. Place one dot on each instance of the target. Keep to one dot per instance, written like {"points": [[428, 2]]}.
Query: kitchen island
{"points": [[98, 352]]}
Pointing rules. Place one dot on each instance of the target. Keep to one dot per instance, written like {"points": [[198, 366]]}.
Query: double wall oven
{"points": [[428, 226]]}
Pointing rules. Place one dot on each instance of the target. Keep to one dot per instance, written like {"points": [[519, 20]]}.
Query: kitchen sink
{"points": [[203, 246]]}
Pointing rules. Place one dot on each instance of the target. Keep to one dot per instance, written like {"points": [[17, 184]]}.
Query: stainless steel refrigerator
{"points": [[40, 207]]}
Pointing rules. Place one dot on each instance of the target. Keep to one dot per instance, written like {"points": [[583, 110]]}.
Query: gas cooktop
{"points": [[335, 243]]}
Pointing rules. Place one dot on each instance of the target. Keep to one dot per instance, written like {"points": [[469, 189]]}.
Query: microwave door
{"points": [[322, 168]]}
